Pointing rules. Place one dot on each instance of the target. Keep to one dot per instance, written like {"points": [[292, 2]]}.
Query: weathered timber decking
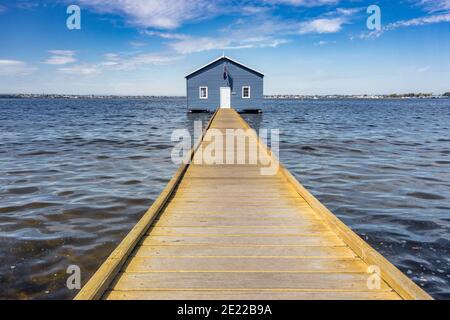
{"points": [[228, 232]]}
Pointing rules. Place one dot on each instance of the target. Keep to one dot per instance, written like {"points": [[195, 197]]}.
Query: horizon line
{"points": [[424, 93]]}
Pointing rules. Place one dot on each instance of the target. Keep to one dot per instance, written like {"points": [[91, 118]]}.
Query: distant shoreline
{"points": [[268, 97]]}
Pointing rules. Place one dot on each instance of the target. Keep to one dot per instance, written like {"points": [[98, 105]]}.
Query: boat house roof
{"points": [[228, 59]]}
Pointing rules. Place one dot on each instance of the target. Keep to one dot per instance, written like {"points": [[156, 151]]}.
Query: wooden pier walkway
{"points": [[229, 232]]}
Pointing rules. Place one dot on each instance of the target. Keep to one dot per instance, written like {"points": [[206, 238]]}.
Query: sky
{"points": [[146, 47]]}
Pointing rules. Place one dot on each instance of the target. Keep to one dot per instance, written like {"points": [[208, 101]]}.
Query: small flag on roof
{"points": [[225, 73]]}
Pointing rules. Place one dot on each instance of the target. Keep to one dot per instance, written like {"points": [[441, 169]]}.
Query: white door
{"points": [[225, 97]]}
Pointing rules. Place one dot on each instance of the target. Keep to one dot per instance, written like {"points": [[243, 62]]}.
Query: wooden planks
{"points": [[247, 264], [248, 295], [285, 252], [237, 281], [231, 240], [228, 232]]}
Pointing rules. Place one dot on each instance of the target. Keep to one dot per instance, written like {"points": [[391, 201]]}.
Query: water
{"points": [[76, 175]]}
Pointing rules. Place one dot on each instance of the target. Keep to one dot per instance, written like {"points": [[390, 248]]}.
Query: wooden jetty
{"points": [[228, 232]]}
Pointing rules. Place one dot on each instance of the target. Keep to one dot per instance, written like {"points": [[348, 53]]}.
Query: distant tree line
{"points": [[410, 95]]}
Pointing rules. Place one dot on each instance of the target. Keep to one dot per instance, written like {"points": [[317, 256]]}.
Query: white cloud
{"points": [[324, 43], [271, 32], [423, 69], [2, 8], [200, 44], [171, 14], [27, 5], [166, 35], [421, 21], [112, 56], [239, 35], [61, 57], [304, 3], [15, 68], [330, 22], [165, 14], [146, 59], [111, 59], [252, 19], [322, 25], [116, 62], [348, 11], [435, 5], [192, 45], [137, 44], [81, 70]]}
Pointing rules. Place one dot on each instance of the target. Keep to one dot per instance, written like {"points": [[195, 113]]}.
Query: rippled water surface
{"points": [[76, 175]]}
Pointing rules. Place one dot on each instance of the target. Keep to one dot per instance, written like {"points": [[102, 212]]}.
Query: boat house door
{"points": [[225, 97]]}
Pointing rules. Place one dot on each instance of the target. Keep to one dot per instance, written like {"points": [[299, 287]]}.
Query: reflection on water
{"points": [[76, 175]]}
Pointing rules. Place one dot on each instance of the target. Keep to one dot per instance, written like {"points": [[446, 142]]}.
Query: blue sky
{"points": [[148, 46]]}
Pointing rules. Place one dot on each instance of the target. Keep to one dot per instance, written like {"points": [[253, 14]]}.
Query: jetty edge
{"points": [[207, 237]]}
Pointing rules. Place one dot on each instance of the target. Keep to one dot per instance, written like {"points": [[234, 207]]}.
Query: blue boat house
{"points": [[225, 83]]}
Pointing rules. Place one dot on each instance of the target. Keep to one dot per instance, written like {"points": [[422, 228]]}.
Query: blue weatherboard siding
{"points": [[211, 76]]}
